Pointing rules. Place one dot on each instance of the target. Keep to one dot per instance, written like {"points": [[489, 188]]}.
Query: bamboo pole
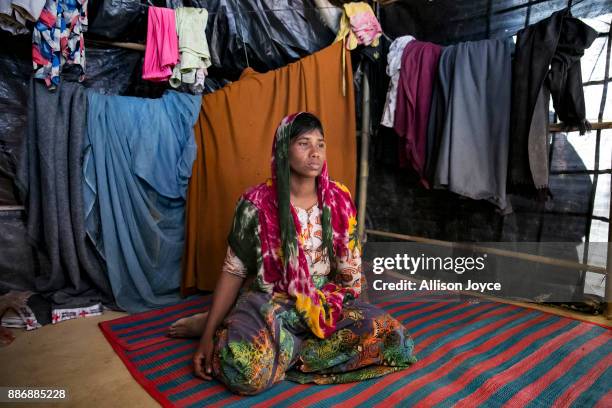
{"points": [[608, 287], [126, 45], [548, 308], [12, 208], [558, 127], [363, 170], [502, 252], [363, 164]]}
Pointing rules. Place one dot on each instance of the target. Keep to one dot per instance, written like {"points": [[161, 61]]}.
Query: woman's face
{"points": [[307, 154]]}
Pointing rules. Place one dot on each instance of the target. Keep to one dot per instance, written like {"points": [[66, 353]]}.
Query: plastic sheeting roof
{"points": [[447, 21]]}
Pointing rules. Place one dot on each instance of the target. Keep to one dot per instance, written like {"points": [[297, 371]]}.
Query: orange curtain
{"points": [[234, 134]]}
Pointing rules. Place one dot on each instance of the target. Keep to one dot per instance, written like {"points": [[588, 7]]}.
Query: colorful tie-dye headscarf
{"points": [[265, 237]]}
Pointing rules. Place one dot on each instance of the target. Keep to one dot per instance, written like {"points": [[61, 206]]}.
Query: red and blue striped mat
{"points": [[470, 354]]}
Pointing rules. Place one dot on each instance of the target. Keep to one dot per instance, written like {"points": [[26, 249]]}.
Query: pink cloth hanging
{"points": [[161, 54]]}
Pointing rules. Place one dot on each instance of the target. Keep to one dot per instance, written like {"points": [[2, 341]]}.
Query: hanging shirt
{"points": [[193, 46], [57, 39], [161, 54], [394, 65]]}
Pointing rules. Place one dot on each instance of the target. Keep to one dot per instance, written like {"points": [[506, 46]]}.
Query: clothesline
{"points": [[260, 11]]}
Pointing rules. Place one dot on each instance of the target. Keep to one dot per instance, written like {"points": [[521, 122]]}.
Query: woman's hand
{"points": [[224, 297], [202, 359]]}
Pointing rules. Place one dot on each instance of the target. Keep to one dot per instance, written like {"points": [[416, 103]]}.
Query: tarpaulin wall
{"points": [[580, 165], [262, 34]]}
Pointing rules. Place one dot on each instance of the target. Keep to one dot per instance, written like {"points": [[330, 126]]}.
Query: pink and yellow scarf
{"points": [[265, 211]]}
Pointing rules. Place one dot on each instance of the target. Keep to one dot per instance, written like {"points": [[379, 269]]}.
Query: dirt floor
{"points": [[71, 355]]}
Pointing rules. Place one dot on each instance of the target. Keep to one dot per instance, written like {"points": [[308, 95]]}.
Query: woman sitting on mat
{"points": [[294, 238]]}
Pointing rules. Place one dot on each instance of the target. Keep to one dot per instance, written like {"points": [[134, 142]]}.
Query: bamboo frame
{"points": [[363, 166], [558, 127], [556, 310], [363, 180], [608, 289], [502, 252], [12, 208], [126, 45]]}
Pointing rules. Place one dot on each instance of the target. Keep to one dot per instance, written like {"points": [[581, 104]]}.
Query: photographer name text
{"points": [[435, 285]]}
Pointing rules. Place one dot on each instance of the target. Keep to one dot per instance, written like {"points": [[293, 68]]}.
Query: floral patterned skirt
{"points": [[263, 340]]}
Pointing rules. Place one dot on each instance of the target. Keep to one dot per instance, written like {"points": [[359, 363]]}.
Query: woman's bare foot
{"points": [[192, 326]]}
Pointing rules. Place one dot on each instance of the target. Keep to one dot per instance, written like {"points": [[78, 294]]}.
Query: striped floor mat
{"points": [[470, 354]]}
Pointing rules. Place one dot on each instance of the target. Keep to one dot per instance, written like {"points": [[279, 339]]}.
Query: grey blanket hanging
{"points": [[49, 177], [470, 120]]}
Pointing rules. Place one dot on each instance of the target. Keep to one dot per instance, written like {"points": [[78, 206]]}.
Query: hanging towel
{"points": [[547, 61], [161, 53], [138, 158], [358, 26], [394, 65], [236, 122], [418, 69], [473, 145], [57, 39], [49, 177], [193, 46]]}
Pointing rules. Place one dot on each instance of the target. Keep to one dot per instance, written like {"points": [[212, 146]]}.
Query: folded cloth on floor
{"points": [[20, 318], [60, 315]]}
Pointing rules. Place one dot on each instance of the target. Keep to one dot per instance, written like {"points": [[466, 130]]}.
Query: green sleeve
{"points": [[244, 236]]}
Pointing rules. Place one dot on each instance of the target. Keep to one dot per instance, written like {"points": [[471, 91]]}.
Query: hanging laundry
{"points": [[394, 65], [547, 61], [49, 177], [472, 146], [161, 53], [138, 158], [358, 26], [418, 70], [193, 46], [200, 76], [9, 21], [15, 13], [57, 39], [236, 122]]}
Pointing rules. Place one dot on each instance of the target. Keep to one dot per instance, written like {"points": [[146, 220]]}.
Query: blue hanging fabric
{"points": [[137, 164]]}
